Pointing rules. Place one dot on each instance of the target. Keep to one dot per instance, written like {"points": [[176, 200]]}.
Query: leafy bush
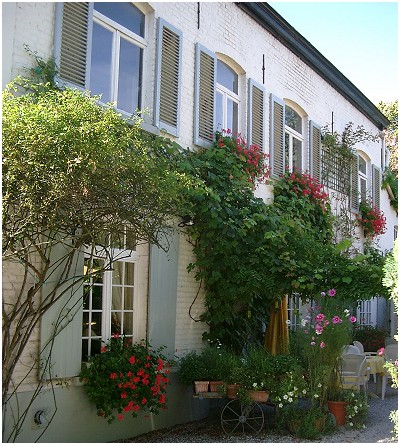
{"points": [[371, 337], [126, 378]]}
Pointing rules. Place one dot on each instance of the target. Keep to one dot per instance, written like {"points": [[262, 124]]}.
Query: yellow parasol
{"points": [[276, 339]]}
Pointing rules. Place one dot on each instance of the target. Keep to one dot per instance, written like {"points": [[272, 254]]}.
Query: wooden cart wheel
{"points": [[238, 418]]}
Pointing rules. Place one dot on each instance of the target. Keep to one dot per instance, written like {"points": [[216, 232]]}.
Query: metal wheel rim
{"points": [[238, 418]]}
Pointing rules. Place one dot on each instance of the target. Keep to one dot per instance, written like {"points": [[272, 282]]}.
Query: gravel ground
{"points": [[378, 428]]}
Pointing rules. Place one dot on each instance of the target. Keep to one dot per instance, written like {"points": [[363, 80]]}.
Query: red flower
{"points": [[104, 349], [113, 375], [162, 398], [144, 401], [123, 395], [120, 417], [132, 360]]}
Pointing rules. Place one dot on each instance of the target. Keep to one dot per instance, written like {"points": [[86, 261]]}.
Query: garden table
{"points": [[376, 364]]}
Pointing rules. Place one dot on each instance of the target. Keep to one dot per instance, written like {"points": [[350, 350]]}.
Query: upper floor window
{"points": [[117, 54], [293, 139], [100, 47], [227, 102], [362, 178]]}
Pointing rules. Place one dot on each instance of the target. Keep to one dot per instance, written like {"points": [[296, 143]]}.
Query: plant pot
{"points": [[231, 391], [201, 386], [215, 385], [338, 409], [258, 396]]}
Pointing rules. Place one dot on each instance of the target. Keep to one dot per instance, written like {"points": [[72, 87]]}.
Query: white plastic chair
{"points": [[351, 349], [390, 354], [360, 346], [354, 372]]}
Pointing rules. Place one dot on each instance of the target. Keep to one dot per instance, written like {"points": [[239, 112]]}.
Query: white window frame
{"points": [[294, 305], [293, 134], [112, 256], [119, 32], [363, 177], [226, 95]]}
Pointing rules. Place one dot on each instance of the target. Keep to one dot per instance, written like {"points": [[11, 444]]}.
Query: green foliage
{"points": [[356, 410], [390, 180], [391, 111], [371, 337], [126, 378], [69, 163], [391, 274]]}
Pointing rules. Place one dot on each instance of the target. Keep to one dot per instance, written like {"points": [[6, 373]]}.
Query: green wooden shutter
{"points": [[168, 77], [73, 30], [256, 115], [61, 324], [354, 198], [277, 136], [205, 96], [163, 290], [315, 151], [376, 186]]}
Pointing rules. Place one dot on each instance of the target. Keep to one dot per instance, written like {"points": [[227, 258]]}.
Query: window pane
{"points": [[128, 323], [227, 77], [85, 325], [95, 325], [117, 272], [100, 71], [232, 118], [97, 297], [129, 77], [85, 351], [116, 298], [287, 148], [219, 112], [362, 165], [128, 298], [363, 189], [125, 14], [297, 158], [293, 119], [116, 323], [129, 273], [96, 347]]}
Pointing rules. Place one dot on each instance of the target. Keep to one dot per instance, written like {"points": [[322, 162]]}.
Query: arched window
{"points": [[293, 139], [227, 104]]}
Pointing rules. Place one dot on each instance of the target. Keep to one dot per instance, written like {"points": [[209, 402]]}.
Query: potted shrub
{"points": [[192, 371]]}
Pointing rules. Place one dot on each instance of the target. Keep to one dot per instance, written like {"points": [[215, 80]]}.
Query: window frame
{"points": [[227, 95], [294, 135], [119, 32], [111, 256]]}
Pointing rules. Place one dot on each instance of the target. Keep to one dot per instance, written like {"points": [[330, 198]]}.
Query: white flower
{"points": [[319, 385], [304, 322], [290, 393], [285, 397], [351, 423], [254, 385], [295, 388], [280, 405], [356, 408], [290, 400], [304, 391], [316, 396], [288, 322]]}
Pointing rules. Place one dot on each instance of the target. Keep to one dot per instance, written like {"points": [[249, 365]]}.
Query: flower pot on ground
{"points": [[338, 409], [216, 385]]}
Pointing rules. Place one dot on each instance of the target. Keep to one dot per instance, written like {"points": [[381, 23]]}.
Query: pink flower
{"points": [[318, 329], [331, 292], [381, 351], [312, 343], [353, 319], [336, 320], [319, 317], [323, 294], [115, 335], [322, 345]]}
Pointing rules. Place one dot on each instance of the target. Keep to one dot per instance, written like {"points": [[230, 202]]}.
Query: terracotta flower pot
{"points": [[215, 386], [231, 391], [258, 396], [338, 409], [201, 386]]}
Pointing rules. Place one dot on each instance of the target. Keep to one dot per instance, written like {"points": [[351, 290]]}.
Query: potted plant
{"points": [[126, 378], [327, 329], [192, 371]]}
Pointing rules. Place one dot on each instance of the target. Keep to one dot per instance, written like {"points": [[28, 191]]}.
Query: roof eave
{"points": [[274, 23]]}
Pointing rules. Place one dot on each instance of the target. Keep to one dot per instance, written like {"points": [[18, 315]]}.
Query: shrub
{"points": [[371, 337]]}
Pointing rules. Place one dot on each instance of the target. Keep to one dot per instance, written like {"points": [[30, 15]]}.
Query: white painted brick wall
{"points": [[228, 31]]}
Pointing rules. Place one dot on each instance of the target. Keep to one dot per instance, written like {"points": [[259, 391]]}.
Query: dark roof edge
{"points": [[274, 23]]}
